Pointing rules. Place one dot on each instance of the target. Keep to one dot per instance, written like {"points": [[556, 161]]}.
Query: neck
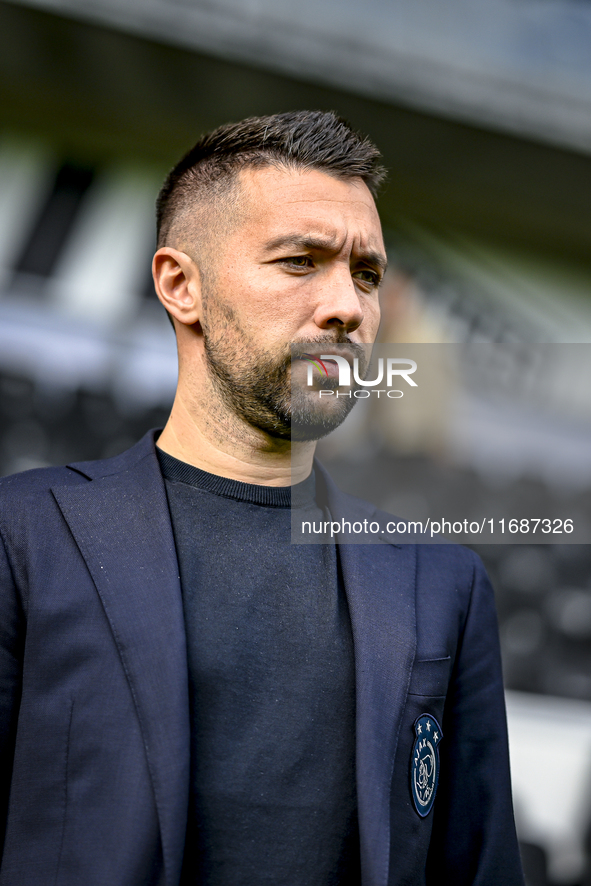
{"points": [[218, 442]]}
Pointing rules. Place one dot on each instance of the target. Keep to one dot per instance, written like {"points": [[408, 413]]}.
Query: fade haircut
{"points": [[298, 140]]}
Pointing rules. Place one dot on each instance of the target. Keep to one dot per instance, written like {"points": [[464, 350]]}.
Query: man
{"points": [[186, 696]]}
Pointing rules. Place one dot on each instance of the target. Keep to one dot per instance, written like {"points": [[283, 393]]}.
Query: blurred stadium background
{"points": [[483, 113]]}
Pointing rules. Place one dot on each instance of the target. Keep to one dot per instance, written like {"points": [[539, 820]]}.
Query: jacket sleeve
{"points": [[473, 841], [11, 643]]}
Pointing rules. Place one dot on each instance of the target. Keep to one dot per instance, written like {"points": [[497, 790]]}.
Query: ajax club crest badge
{"points": [[424, 763]]}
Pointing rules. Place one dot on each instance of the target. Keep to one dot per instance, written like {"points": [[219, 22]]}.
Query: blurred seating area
{"points": [[52, 427]]}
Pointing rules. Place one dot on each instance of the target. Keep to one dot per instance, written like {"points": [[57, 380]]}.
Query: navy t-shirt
{"points": [[272, 688]]}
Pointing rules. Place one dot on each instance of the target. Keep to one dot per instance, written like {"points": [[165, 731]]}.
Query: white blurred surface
{"points": [[100, 274], [137, 365], [550, 747]]}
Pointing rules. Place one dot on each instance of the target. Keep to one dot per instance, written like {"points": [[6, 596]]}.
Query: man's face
{"points": [[303, 266]]}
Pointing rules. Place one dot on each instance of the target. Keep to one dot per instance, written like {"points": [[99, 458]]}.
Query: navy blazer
{"points": [[94, 725]]}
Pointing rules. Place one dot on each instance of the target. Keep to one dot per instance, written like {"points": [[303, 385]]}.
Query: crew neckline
{"points": [[177, 471]]}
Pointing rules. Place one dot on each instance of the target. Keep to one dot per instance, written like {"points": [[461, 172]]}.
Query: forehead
{"points": [[310, 200]]}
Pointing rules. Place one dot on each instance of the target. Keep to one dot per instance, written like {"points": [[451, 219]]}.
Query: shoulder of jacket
{"points": [[37, 480], [41, 480], [455, 559]]}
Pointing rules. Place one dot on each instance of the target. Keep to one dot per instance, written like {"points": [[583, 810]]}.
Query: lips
{"points": [[332, 369], [346, 352], [318, 355], [327, 367]]}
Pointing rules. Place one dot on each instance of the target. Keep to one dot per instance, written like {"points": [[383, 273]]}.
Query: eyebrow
{"points": [[296, 241]]}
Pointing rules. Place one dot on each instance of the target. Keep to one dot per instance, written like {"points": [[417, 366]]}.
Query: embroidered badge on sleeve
{"points": [[424, 763]]}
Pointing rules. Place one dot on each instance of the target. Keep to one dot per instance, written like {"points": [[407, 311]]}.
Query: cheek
{"points": [[269, 306], [371, 320], [275, 311]]}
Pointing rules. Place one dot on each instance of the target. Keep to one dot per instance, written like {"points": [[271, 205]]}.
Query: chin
{"points": [[313, 424]]}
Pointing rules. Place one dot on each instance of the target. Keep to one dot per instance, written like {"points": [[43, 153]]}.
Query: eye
{"points": [[371, 278], [298, 261]]}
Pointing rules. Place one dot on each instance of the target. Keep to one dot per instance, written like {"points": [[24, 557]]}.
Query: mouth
{"points": [[326, 366]]}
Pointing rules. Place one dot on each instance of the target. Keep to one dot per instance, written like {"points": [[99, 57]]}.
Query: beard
{"points": [[259, 390]]}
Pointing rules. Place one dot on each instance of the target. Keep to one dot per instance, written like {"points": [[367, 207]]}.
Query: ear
{"points": [[178, 284]]}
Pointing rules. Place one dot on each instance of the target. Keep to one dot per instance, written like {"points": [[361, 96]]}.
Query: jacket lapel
{"points": [[379, 582], [122, 527]]}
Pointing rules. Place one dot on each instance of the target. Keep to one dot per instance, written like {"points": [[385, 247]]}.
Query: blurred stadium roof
{"points": [[482, 111], [521, 66]]}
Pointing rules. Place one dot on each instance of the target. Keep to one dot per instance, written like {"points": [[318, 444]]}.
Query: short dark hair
{"points": [[297, 139]]}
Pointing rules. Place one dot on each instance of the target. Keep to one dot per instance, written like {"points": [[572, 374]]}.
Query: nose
{"points": [[339, 304]]}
